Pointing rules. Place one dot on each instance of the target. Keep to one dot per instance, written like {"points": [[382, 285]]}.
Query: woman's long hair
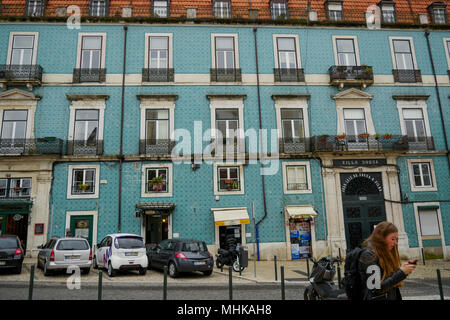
{"points": [[389, 260]]}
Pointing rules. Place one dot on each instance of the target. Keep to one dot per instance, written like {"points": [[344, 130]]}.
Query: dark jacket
{"points": [[388, 291]]}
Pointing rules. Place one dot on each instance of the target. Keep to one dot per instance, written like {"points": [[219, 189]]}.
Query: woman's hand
{"points": [[407, 268]]}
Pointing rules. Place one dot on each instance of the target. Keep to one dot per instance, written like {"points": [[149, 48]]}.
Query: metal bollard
{"points": [[339, 276], [100, 284], [275, 262], [441, 292], [230, 282], [340, 257], [31, 287], [165, 284], [423, 257], [307, 267], [283, 294]]}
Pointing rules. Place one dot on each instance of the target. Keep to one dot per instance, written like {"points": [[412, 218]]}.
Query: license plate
{"points": [[2, 263], [131, 254], [72, 257], [199, 263]]}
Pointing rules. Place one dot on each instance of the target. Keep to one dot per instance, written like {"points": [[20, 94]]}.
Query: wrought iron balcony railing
{"points": [[89, 75], [156, 146], [39, 146], [407, 76], [20, 74], [351, 75], [295, 145], [84, 147], [371, 143], [226, 75], [228, 146], [289, 75], [157, 75]]}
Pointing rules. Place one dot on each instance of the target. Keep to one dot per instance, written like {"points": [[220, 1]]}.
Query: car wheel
{"points": [[18, 270], [207, 273], [46, 271], [94, 263], [111, 271], [173, 272], [142, 271]]}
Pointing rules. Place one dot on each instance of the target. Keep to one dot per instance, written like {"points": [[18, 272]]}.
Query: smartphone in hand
{"points": [[413, 261]]}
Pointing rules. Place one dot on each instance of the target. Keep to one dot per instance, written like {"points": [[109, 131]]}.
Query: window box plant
{"points": [[387, 136], [364, 135], [157, 184], [83, 186], [377, 136], [341, 136]]}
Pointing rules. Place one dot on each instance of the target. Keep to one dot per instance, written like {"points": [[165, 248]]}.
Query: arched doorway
{"points": [[363, 205]]}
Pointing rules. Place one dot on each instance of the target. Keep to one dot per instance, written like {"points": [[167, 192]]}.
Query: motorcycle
{"points": [[230, 258], [322, 286]]}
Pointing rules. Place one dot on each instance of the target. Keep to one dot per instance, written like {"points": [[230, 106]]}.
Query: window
{"points": [[355, 124], [35, 8], [229, 179], [157, 125], [422, 174], [296, 177], [388, 13], [429, 223], [98, 8], [86, 126], [83, 181], [159, 52], [438, 12], [161, 9], [91, 52], [224, 52], [22, 50], [292, 123], [287, 55], [14, 125], [222, 9], [227, 123], [279, 9], [15, 188], [334, 10], [447, 51], [403, 54], [414, 124], [346, 55], [157, 180]]}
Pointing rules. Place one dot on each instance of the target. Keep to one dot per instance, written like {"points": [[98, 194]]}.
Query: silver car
{"points": [[60, 253]]}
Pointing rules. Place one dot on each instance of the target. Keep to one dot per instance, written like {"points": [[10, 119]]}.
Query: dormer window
{"points": [[161, 8], [438, 13], [334, 10], [98, 8], [279, 9], [387, 11], [35, 8], [222, 9]]}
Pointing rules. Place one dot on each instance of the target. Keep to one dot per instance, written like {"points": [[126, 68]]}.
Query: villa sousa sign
{"points": [[359, 162]]}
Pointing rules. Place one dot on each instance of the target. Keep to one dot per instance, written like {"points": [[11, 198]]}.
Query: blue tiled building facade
{"points": [[112, 170]]}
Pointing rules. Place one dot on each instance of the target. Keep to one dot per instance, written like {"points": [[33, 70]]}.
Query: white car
{"points": [[121, 252]]}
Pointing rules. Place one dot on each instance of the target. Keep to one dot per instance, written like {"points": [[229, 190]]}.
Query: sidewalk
{"points": [[294, 272]]}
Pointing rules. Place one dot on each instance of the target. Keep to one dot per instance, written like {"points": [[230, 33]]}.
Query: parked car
{"points": [[121, 252], [60, 253], [181, 255], [11, 253]]}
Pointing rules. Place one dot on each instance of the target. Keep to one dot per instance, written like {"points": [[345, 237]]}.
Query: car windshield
{"points": [[129, 243], [194, 247], [8, 243], [72, 245]]}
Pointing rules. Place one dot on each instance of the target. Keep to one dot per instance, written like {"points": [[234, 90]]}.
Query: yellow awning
{"points": [[301, 211], [232, 216]]}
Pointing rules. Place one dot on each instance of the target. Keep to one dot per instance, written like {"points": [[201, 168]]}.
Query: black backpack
{"points": [[352, 281]]}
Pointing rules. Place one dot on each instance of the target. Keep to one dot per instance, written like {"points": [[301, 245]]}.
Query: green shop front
{"points": [[14, 216]]}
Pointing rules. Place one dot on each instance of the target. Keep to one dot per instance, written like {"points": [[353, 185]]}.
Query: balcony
{"points": [[289, 75], [294, 145], [89, 75], [228, 146], [157, 75], [225, 75], [20, 75], [407, 76], [156, 146], [84, 147], [351, 75], [39, 146], [371, 143]]}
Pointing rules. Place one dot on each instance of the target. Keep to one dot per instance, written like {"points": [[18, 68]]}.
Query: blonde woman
{"points": [[380, 255]]}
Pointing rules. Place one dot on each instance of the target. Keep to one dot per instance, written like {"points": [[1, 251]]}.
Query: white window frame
{"points": [[80, 43], [413, 187], [355, 43], [418, 226], [292, 104], [297, 48], [413, 104], [35, 45], [95, 195], [447, 53], [413, 52], [213, 48], [170, 47], [307, 166], [144, 167], [87, 104], [216, 166], [157, 104], [224, 7]]}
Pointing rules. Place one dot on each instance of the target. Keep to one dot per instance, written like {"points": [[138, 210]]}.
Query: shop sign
{"points": [[17, 217], [359, 162]]}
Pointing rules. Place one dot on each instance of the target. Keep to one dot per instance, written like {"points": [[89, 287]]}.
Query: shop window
{"points": [[429, 223]]}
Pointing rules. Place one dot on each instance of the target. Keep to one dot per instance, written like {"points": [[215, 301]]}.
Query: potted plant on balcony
{"points": [[323, 138], [231, 184], [364, 135], [377, 136], [341, 136], [83, 186], [387, 135], [157, 184]]}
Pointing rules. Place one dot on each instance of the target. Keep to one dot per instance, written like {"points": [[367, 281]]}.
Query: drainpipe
{"points": [[119, 224], [260, 142], [427, 35]]}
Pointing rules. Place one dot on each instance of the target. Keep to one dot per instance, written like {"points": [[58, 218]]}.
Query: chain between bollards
{"points": [[31, 287], [283, 293], [165, 284], [230, 282], [441, 292], [100, 284]]}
